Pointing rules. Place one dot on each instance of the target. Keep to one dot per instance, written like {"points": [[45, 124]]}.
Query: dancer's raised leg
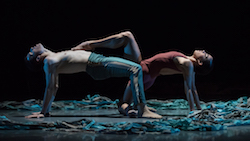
{"points": [[124, 39]]}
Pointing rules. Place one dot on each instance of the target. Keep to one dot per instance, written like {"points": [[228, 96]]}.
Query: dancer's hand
{"points": [[35, 115]]}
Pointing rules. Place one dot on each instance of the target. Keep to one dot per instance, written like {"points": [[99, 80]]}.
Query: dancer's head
{"points": [[32, 60], [204, 62]]}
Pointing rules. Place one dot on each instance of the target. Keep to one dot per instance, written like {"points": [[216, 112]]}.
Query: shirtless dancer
{"points": [[96, 65], [167, 63]]}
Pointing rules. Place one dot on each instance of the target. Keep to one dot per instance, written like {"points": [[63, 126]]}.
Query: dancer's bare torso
{"points": [[68, 61]]}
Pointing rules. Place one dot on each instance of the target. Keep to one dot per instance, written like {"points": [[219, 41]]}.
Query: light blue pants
{"points": [[100, 67]]}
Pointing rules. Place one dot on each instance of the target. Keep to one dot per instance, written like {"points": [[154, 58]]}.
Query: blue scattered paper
{"points": [[216, 115]]}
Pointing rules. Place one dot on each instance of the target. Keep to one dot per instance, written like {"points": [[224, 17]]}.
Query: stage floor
{"points": [[110, 115]]}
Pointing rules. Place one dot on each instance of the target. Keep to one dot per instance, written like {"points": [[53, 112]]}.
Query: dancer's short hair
{"points": [[206, 67], [32, 64]]}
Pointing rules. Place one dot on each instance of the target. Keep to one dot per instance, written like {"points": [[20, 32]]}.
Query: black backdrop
{"points": [[222, 28]]}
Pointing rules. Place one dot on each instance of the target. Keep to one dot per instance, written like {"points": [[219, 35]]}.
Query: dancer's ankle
{"points": [[124, 106], [141, 108]]}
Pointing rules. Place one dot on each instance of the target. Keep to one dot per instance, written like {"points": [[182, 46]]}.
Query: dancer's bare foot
{"points": [[143, 111], [152, 109], [83, 46], [125, 105]]}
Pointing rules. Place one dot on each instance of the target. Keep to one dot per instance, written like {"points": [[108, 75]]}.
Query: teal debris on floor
{"points": [[215, 116], [90, 102], [92, 126]]}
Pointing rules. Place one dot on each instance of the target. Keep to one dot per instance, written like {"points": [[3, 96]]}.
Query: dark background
{"points": [[222, 28]]}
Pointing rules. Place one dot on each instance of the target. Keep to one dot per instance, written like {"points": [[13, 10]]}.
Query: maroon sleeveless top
{"points": [[151, 67], [160, 61]]}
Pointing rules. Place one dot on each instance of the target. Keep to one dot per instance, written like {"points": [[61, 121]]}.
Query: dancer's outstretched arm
{"points": [[123, 39], [189, 82], [195, 94], [188, 89], [50, 90]]}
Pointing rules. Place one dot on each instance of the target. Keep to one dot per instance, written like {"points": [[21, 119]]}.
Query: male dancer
{"points": [[96, 65], [167, 63]]}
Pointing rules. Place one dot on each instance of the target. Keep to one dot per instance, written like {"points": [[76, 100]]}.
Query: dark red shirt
{"points": [[151, 67]]}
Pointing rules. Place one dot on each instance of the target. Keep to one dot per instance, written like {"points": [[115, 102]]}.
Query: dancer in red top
{"points": [[167, 63], [155, 65]]}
